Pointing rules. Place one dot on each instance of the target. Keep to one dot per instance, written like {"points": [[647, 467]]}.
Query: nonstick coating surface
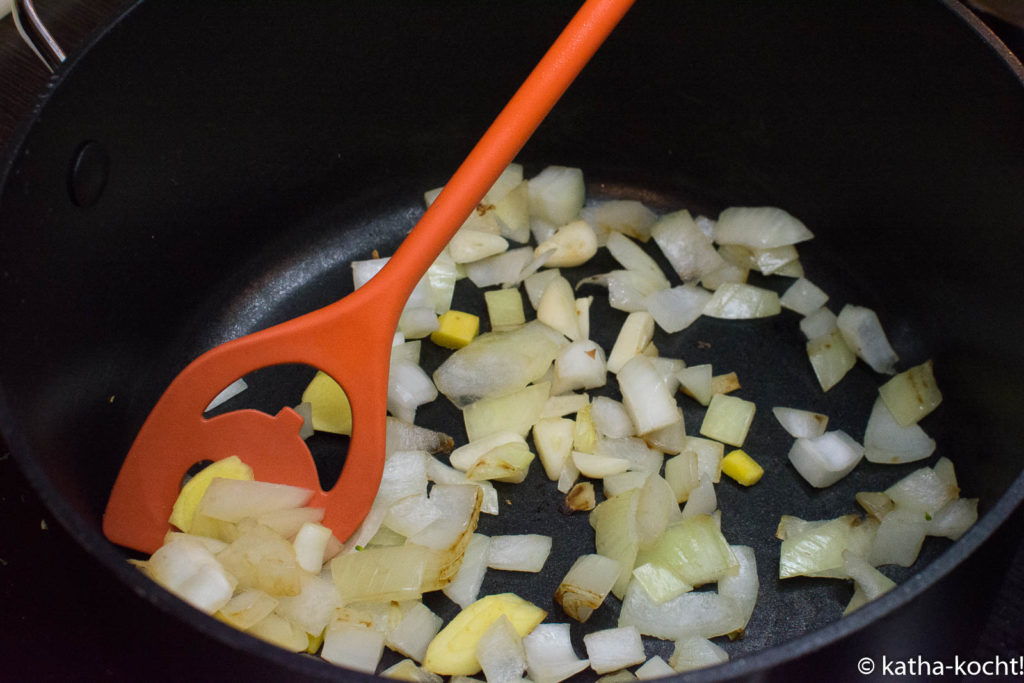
{"points": [[247, 170]]}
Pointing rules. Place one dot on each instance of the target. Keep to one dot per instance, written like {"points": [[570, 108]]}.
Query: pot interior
{"points": [[246, 171]]}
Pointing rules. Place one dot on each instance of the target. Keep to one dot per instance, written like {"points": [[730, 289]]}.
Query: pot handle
{"points": [[36, 35]]}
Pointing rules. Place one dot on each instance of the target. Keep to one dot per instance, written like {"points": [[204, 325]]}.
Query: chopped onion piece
{"points": [[954, 518], [831, 358], [467, 246], [695, 549], [899, 538], [762, 227], [738, 301], [189, 570], [277, 630], [414, 632], [728, 419], [499, 269], [696, 653], [519, 553], [656, 510], [553, 439], [655, 667], [819, 323], [309, 544], [628, 290], [816, 548], [614, 484], [801, 423], [312, 609], [703, 614], [500, 652], [629, 254], [586, 585], [598, 466], [689, 251], [557, 194], [743, 586], [513, 213], [804, 297], [232, 500], [922, 491], [227, 393], [353, 647], [701, 500], [825, 459], [407, 670], [409, 386], [677, 308], [550, 657], [614, 648], [864, 335], [611, 418], [912, 394], [580, 365], [498, 363], [647, 399], [516, 412], [616, 535], [870, 582], [887, 442], [626, 216], [465, 587], [659, 582], [247, 608], [696, 382], [774, 259]]}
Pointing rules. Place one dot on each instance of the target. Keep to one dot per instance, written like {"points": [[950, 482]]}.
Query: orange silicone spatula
{"points": [[350, 340]]}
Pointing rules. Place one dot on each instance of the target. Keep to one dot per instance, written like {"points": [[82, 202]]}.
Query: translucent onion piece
{"points": [[803, 296], [689, 251], [414, 632], [801, 423], [738, 301], [743, 586], [500, 652], [353, 647], [695, 381], [281, 632], [912, 394], [818, 323], [701, 500], [759, 227], [655, 667], [677, 308], [557, 194], [513, 213], [227, 393], [887, 442], [313, 607], [580, 365], [816, 548], [728, 419], [537, 282], [406, 670], [553, 439], [704, 614], [648, 401], [519, 553], [614, 648], [409, 386], [625, 216], [310, 543], [870, 582], [616, 535], [247, 608], [467, 246], [922, 491], [899, 538], [659, 582], [831, 358], [231, 500], [634, 258], [695, 549], [656, 510], [516, 412], [611, 418], [497, 363], [824, 460], [954, 518], [549, 654], [586, 585], [696, 653], [189, 570], [775, 259], [465, 587], [499, 269], [864, 335]]}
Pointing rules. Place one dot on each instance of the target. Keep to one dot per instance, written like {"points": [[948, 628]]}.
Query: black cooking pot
{"points": [[205, 169]]}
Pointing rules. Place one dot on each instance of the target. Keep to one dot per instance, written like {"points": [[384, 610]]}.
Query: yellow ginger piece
{"points": [[453, 650], [331, 409], [455, 329], [741, 467], [185, 506]]}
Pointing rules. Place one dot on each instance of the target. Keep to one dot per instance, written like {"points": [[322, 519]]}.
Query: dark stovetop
{"points": [[66, 618]]}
